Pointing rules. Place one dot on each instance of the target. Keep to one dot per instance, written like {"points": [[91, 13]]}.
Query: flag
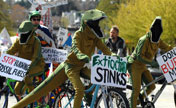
{"points": [[68, 42]]}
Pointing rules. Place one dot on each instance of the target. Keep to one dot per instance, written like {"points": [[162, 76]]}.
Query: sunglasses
{"points": [[35, 19]]}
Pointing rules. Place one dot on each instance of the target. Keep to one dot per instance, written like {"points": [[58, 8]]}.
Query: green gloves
{"points": [[83, 57]]}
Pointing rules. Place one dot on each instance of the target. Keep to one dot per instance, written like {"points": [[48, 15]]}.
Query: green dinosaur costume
{"points": [[83, 46], [28, 47], [143, 54]]}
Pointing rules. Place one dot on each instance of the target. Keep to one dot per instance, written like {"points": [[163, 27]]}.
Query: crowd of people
{"points": [[33, 36]]}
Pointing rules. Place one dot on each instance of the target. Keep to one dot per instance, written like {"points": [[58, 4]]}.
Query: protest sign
{"points": [[62, 36], [167, 63], [13, 67], [108, 70], [53, 54], [5, 37]]}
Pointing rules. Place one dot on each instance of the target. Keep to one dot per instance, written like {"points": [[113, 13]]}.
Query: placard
{"points": [[167, 63], [13, 67], [108, 70], [53, 54]]}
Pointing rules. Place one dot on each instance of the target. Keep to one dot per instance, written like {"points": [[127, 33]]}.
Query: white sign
{"points": [[62, 36], [167, 63], [13, 67], [5, 37], [108, 70], [53, 54]]}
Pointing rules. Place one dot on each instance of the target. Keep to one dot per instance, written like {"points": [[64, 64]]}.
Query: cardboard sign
{"points": [[108, 70], [13, 67], [167, 63], [53, 54]]}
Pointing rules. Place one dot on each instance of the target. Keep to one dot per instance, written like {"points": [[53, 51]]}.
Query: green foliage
{"points": [[64, 22], [4, 17], [110, 7], [135, 18]]}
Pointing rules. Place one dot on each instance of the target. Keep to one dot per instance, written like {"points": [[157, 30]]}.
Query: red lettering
{"points": [[5, 60], [172, 65], [9, 60], [174, 59], [164, 68]]}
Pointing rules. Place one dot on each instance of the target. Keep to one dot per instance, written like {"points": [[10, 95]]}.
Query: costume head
{"points": [[25, 31], [35, 16], [91, 18], [156, 30]]}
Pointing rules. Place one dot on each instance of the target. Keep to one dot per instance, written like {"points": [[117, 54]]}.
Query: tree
{"points": [[134, 19], [4, 18], [18, 14], [110, 7]]}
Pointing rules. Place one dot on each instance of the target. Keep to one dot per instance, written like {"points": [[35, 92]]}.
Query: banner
{"points": [[167, 63], [53, 54], [13, 67], [108, 70]]}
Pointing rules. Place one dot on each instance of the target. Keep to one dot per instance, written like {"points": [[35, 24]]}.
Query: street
{"points": [[165, 100]]}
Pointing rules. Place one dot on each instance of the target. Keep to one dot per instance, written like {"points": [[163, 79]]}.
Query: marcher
{"points": [[83, 46], [42, 31], [28, 47], [116, 43], [143, 54]]}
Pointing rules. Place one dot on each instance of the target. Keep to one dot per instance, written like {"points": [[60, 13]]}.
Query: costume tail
{"points": [[57, 78]]}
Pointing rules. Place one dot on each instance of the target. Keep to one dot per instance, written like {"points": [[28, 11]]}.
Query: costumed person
{"points": [[42, 31], [116, 43], [143, 54], [43, 34], [83, 46], [28, 46]]}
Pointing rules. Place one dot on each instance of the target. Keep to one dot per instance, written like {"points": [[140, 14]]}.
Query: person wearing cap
{"points": [[42, 31], [143, 54], [28, 47], [85, 40]]}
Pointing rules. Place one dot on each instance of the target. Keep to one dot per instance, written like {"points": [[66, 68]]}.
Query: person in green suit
{"points": [[28, 46], [143, 54], [85, 40]]}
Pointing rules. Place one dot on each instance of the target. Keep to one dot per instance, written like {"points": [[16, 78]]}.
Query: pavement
{"points": [[166, 99]]}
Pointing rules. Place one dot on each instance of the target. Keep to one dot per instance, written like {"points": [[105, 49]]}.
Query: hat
{"points": [[25, 27]]}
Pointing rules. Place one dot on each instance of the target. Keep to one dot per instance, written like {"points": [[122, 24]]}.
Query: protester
{"points": [[42, 31], [28, 47], [116, 43], [143, 54], [83, 46]]}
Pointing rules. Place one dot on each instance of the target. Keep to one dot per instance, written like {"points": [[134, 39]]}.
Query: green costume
{"points": [[83, 46], [28, 47], [143, 54]]}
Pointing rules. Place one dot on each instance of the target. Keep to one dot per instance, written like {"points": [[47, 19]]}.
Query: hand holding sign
{"points": [[13, 67]]}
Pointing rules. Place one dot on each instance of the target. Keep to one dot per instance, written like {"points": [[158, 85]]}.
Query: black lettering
{"points": [[117, 78], [112, 76], [172, 74], [123, 76], [99, 71], [105, 73], [164, 58]]}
